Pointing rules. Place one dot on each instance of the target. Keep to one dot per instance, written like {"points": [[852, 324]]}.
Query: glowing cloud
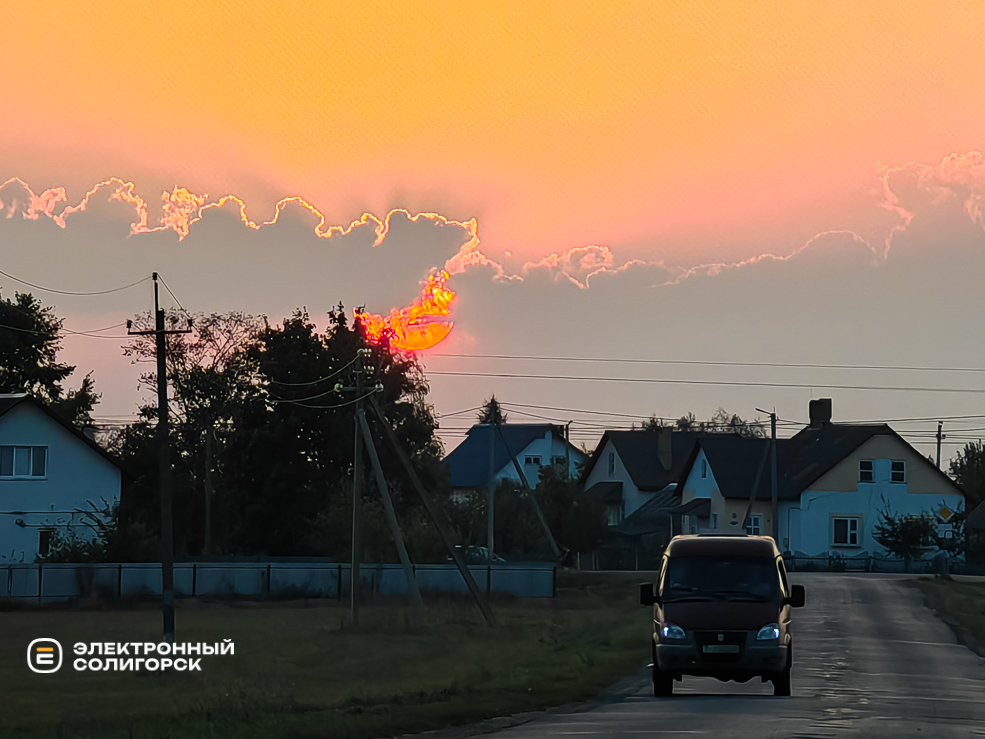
{"points": [[419, 327]]}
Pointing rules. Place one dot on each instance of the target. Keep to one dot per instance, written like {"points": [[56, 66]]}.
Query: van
{"points": [[721, 608]]}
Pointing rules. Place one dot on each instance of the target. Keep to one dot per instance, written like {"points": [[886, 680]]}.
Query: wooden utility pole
{"points": [[391, 515], [773, 483], [529, 493], [164, 461], [357, 500], [209, 437], [435, 513], [940, 437], [491, 495]]}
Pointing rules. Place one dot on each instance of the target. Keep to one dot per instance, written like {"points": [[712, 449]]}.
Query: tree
{"points": [[721, 422], [492, 412], [576, 519], [30, 338], [968, 470], [904, 536]]}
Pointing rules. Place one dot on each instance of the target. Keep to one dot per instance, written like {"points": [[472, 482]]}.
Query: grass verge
{"points": [[298, 671], [960, 605]]}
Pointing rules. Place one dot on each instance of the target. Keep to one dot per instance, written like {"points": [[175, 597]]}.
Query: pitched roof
{"points": [[468, 463], [609, 491], [10, 401], [650, 517], [800, 460], [638, 452]]}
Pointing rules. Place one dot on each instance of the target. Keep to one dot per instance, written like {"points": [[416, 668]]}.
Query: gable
{"points": [[468, 463], [922, 477], [29, 424]]}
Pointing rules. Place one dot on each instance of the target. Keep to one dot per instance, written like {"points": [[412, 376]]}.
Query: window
{"points": [[845, 531], [44, 543], [704, 468], [714, 520], [614, 513], [23, 461], [557, 460], [755, 526], [612, 463], [865, 470], [898, 471], [532, 460]]}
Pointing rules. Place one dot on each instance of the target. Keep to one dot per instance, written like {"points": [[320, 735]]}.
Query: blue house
{"points": [[51, 475]]}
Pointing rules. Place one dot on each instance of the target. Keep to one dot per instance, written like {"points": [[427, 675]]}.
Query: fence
{"points": [[56, 582], [878, 564]]}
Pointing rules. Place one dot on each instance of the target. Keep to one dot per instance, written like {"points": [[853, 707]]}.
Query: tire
{"points": [[663, 684], [781, 680]]}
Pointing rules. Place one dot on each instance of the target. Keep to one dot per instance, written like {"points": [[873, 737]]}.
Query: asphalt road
{"points": [[870, 661]]}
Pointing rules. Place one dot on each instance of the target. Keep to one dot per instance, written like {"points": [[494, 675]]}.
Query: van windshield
{"points": [[751, 579]]}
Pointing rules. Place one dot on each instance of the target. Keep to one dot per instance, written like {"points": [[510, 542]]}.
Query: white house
{"points": [[50, 473], [833, 482], [630, 468], [484, 455]]}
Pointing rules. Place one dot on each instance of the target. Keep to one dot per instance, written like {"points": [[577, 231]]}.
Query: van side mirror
{"points": [[647, 598], [798, 596]]}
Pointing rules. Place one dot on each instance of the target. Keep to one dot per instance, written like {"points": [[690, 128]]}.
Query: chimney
{"points": [[664, 449], [820, 412]]}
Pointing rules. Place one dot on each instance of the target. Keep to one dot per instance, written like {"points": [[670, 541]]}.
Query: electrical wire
{"points": [[173, 296], [713, 363], [313, 382], [67, 331], [70, 292], [732, 383], [328, 407]]}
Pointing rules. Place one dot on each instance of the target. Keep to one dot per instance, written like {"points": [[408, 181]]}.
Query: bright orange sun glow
{"points": [[420, 326]]}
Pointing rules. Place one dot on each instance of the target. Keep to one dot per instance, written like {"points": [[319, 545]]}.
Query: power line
{"points": [[173, 296], [732, 383], [71, 292], [710, 363], [90, 334], [313, 382]]}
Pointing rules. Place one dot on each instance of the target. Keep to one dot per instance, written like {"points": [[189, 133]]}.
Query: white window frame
{"points": [[862, 471], [901, 473], [851, 519], [755, 526], [615, 513], [714, 521], [532, 459], [30, 451]]}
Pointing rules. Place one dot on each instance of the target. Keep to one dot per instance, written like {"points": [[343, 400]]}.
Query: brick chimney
{"points": [[664, 449], [820, 412]]}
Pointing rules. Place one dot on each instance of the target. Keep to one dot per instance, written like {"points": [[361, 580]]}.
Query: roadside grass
{"points": [[299, 671], [961, 605]]}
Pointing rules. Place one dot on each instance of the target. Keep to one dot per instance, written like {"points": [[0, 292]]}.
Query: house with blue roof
{"points": [[485, 454]]}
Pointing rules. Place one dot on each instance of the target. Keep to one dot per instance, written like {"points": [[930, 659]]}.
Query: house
{"points": [[50, 475], [485, 454], [633, 469], [833, 482]]}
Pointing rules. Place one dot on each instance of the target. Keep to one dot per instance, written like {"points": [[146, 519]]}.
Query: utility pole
{"points": [[491, 495], [164, 460], [357, 501], [940, 437], [775, 527], [209, 437]]}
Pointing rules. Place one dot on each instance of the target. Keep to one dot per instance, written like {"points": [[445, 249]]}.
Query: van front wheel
{"points": [[663, 684]]}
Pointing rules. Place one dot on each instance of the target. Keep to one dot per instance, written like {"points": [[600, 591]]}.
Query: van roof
{"points": [[717, 546]]}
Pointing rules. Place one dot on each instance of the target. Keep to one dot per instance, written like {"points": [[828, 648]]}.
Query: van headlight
{"points": [[769, 631], [672, 631]]}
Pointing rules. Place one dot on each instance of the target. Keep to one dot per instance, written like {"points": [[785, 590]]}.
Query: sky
{"points": [[769, 183]]}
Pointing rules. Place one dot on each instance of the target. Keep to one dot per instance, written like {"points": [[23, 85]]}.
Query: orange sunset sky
{"points": [[666, 135]]}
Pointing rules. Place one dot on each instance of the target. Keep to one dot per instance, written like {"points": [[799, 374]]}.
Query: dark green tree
{"points": [[492, 412], [904, 536], [721, 422], [968, 470], [30, 338]]}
